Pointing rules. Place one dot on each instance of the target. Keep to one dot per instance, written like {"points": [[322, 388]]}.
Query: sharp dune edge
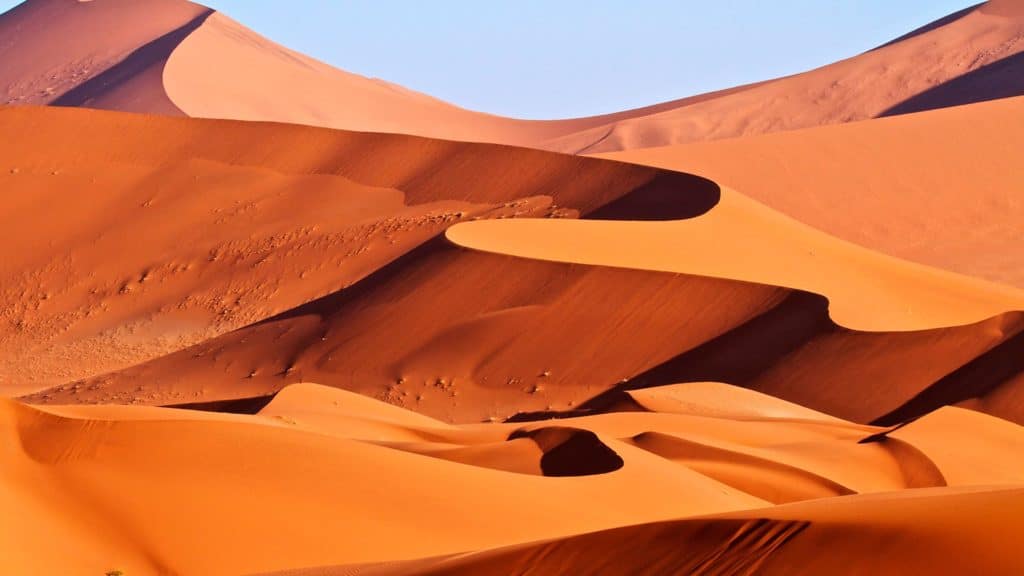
{"points": [[776, 329]]}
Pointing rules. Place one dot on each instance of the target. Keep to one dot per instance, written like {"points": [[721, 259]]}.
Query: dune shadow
{"points": [[1001, 79], [571, 451], [127, 69], [667, 196], [972, 380], [250, 405], [736, 357]]}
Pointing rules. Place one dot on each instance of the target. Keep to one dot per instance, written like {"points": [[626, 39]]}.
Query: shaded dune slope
{"points": [[108, 54], [213, 233], [549, 336]]}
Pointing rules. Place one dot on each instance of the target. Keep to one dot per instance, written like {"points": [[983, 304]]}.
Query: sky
{"points": [[566, 58]]}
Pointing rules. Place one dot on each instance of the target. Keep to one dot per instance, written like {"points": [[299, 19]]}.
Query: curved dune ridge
{"points": [[741, 240], [70, 469], [247, 303], [941, 187], [176, 57]]}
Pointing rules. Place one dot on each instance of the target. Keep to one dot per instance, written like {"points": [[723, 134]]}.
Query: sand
{"points": [[150, 490], [184, 59], [238, 337], [940, 187]]}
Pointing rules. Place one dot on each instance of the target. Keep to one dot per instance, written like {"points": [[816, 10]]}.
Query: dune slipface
{"points": [[289, 348]]}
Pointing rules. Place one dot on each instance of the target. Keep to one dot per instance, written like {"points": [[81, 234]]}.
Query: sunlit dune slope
{"points": [[153, 490], [940, 531], [971, 56], [940, 187]]}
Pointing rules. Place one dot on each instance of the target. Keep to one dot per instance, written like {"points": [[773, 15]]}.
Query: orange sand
{"points": [[323, 477], [524, 361]]}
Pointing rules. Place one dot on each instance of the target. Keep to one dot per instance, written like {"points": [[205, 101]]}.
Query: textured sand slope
{"points": [[127, 485], [941, 188], [213, 233], [547, 335]]}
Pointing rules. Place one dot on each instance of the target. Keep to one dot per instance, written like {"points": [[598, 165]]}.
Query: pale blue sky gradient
{"points": [[562, 58]]}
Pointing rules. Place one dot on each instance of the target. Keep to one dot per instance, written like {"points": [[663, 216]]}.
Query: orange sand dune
{"points": [[466, 354], [937, 531], [941, 188], [106, 54], [155, 325], [212, 233], [151, 490], [742, 240], [175, 57], [971, 56], [684, 381]]}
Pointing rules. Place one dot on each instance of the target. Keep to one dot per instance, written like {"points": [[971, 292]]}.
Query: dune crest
{"points": [[739, 239]]}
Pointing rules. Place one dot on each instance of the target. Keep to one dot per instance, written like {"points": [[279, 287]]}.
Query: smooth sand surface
{"points": [[941, 188], [150, 490], [740, 239]]}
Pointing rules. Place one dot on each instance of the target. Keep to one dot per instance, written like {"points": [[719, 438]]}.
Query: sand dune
{"points": [[887, 340], [792, 353], [186, 59], [213, 234], [132, 484], [940, 188], [899, 533], [107, 54]]}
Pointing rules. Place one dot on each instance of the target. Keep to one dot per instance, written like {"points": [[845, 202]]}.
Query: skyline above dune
{"points": [[543, 60]]}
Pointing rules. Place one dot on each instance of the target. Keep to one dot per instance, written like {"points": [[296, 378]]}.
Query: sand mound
{"points": [[123, 484], [717, 400]]}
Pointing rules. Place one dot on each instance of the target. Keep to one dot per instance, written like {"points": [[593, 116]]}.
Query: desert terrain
{"points": [[265, 316]]}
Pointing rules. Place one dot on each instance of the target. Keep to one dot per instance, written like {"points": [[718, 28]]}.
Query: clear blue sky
{"points": [[559, 58]]}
